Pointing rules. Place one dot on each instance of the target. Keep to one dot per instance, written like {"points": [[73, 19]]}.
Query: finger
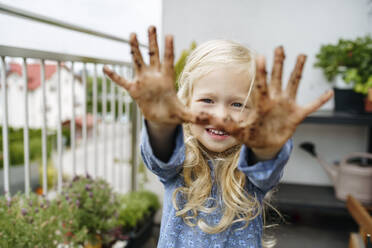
{"points": [[168, 56], [311, 107], [275, 86], [153, 49], [136, 53], [295, 78], [260, 92], [116, 78]]}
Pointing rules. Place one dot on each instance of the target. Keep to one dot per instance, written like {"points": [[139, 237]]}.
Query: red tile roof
{"points": [[79, 121], [34, 75]]}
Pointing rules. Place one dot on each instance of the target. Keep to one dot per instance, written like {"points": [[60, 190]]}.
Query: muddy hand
{"points": [[153, 85], [275, 115]]}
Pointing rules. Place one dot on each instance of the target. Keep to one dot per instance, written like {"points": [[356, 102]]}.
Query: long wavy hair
{"points": [[238, 204]]}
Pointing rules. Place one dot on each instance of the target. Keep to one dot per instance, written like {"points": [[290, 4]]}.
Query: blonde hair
{"points": [[239, 205]]}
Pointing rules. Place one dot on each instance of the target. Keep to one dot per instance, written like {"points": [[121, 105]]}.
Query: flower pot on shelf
{"points": [[368, 102], [347, 100]]}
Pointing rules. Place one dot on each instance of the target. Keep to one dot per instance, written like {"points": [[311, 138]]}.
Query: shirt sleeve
{"points": [[265, 174], [164, 170]]}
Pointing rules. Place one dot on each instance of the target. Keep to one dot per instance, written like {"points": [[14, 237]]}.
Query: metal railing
{"points": [[116, 95]]}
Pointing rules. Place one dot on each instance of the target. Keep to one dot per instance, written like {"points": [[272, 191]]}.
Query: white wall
{"points": [[301, 27], [116, 17]]}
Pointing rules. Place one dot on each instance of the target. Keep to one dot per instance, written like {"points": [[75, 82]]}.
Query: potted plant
{"points": [[350, 60], [96, 210], [35, 221], [135, 217]]}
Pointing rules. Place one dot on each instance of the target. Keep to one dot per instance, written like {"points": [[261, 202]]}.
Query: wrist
{"points": [[261, 154], [158, 126]]}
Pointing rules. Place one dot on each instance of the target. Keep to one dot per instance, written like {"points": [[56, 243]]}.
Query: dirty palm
{"points": [[268, 125]]}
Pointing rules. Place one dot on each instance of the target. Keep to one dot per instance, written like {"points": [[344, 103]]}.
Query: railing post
{"points": [[134, 131], [95, 122], [85, 119], [4, 97], [44, 130], [113, 137], [26, 144], [59, 131], [72, 122]]}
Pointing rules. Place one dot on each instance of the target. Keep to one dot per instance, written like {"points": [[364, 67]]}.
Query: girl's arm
{"points": [[266, 173], [162, 139], [165, 166]]}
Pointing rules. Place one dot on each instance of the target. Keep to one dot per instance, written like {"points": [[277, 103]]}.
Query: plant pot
{"points": [[347, 100], [97, 245], [367, 105], [368, 102], [139, 236]]}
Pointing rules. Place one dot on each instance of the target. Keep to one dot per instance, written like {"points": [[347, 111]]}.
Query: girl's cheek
{"points": [[240, 115]]}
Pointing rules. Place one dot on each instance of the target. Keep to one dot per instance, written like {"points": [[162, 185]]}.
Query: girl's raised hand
{"points": [[275, 115], [153, 85]]}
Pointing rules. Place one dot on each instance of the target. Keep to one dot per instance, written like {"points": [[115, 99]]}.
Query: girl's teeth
{"points": [[217, 132]]}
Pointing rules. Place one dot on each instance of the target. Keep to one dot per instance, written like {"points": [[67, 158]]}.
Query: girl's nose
{"points": [[221, 111]]}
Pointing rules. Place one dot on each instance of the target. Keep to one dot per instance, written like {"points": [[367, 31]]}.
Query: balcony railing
{"points": [[122, 126]]}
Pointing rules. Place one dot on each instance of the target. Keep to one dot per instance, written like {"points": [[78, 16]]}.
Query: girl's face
{"points": [[220, 93]]}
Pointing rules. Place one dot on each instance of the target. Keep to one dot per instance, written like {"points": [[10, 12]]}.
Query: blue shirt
{"points": [[174, 233]]}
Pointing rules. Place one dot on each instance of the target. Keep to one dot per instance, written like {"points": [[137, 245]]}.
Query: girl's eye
{"points": [[206, 100], [237, 104]]}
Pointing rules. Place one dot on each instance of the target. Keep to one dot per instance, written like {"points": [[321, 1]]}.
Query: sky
{"points": [[116, 17]]}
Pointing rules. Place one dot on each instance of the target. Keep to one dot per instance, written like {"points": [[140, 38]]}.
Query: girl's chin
{"points": [[221, 152], [218, 147]]}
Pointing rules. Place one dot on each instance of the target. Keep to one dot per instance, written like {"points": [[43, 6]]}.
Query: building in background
{"points": [[16, 106]]}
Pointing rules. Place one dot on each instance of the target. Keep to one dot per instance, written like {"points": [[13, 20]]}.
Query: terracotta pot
{"points": [[96, 245], [368, 105], [368, 102]]}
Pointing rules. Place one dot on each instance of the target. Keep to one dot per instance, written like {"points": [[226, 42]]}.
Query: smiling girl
{"points": [[220, 143]]}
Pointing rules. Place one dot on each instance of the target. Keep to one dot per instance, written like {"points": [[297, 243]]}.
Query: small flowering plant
{"points": [[96, 206], [32, 221]]}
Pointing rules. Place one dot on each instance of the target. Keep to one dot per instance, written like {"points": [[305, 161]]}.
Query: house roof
{"points": [[79, 121], [33, 73]]}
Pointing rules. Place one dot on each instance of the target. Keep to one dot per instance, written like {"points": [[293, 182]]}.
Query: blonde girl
{"points": [[220, 144]]}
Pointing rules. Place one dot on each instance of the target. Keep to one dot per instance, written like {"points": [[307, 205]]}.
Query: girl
{"points": [[219, 145]]}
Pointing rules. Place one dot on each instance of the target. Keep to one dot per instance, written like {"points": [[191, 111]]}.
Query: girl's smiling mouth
{"points": [[217, 134]]}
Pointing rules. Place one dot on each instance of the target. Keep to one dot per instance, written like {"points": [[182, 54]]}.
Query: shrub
{"points": [[36, 222], [96, 207], [135, 207]]}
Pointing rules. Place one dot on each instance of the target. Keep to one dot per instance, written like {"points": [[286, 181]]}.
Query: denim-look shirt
{"points": [[174, 233]]}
